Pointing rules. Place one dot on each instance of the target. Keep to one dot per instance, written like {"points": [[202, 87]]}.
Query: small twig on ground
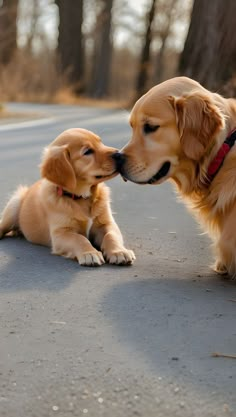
{"points": [[222, 355], [233, 301]]}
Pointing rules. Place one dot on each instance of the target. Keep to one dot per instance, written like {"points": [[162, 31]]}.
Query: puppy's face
{"points": [[174, 122], [78, 157]]}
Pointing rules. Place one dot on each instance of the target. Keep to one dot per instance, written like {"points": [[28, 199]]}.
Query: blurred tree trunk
{"points": [[164, 34], [145, 55], [8, 30], [70, 42], [33, 25], [101, 65], [209, 53]]}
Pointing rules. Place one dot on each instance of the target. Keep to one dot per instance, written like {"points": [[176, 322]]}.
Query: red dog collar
{"points": [[221, 154], [62, 192]]}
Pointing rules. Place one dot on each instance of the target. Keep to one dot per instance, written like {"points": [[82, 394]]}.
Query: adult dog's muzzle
{"points": [[119, 159]]}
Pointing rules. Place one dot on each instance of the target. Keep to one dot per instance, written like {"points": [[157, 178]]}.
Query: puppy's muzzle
{"points": [[119, 159]]}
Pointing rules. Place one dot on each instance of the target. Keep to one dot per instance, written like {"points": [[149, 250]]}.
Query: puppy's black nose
{"points": [[119, 159]]}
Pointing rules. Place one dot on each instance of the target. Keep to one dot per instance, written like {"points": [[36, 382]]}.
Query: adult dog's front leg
{"points": [[226, 247], [109, 238], [73, 245]]}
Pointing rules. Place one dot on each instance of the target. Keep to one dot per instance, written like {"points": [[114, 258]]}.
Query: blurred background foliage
{"points": [[113, 50]]}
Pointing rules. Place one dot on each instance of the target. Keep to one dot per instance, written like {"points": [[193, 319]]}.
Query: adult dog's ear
{"points": [[56, 167], [198, 120]]}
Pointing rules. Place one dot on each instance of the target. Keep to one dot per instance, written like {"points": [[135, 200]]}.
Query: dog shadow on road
{"points": [[24, 266], [172, 326]]}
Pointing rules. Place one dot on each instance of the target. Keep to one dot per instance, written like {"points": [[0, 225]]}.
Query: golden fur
{"points": [[76, 162], [180, 122]]}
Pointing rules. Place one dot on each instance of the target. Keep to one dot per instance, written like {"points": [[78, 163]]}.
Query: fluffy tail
{"points": [[10, 215]]}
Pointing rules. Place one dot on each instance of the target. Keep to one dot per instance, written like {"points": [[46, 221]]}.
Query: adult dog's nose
{"points": [[119, 159]]}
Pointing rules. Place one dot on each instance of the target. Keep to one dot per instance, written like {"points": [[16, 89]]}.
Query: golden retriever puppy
{"points": [[69, 207], [185, 133]]}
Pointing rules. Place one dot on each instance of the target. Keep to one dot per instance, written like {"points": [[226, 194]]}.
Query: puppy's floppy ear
{"points": [[56, 167], [198, 120]]}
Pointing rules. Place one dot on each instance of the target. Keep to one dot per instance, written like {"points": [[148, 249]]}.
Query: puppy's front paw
{"points": [[94, 258], [121, 257]]}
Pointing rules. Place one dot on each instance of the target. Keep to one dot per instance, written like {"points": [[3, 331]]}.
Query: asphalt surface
{"points": [[111, 341]]}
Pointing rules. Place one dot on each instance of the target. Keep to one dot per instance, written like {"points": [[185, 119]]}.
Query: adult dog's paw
{"points": [[94, 258], [220, 268], [121, 257]]}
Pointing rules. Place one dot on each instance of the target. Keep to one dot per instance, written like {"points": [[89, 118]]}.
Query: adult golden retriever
{"points": [[69, 207], [185, 133]]}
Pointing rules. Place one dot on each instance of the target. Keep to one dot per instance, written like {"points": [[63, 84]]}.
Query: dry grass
{"points": [[27, 78], [36, 79], [65, 95]]}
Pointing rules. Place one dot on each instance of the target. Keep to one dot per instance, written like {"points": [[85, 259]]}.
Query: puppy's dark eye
{"points": [[147, 128], [88, 152]]}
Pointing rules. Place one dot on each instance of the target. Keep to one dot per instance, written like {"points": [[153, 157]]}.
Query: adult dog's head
{"points": [[177, 126], [77, 159]]}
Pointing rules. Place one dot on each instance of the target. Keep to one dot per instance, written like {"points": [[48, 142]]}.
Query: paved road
{"points": [[111, 341]]}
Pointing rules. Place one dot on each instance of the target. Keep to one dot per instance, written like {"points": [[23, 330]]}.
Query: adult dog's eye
{"points": [[88, 152], [147, 128]]}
